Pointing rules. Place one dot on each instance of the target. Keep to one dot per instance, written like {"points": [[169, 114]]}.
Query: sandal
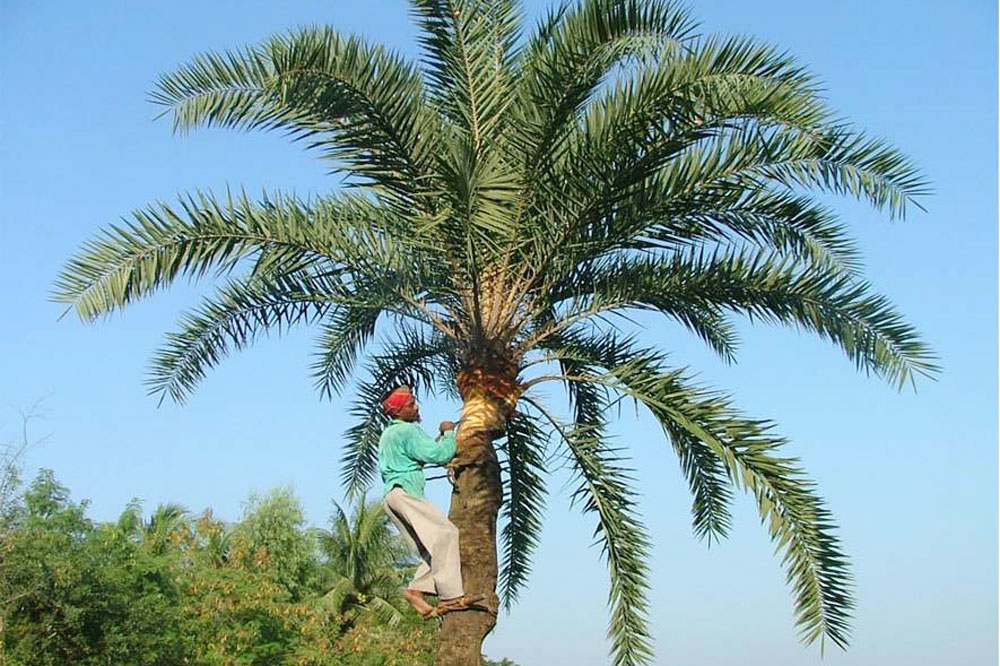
{"points": [[460, 604]]}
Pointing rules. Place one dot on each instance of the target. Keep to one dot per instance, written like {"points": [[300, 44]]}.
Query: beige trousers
{"points": [[433, 537]]}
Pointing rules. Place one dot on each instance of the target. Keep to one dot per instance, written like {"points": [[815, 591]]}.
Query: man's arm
{"points": [[422, 447]]}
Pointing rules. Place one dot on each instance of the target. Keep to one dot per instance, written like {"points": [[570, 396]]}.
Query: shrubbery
{"points": [[177, 590]]}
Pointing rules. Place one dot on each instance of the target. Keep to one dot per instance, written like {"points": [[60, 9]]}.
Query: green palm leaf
{"points": [[799, 523], [581, 355], [762, 286], [522, 512], [202, 234], [469, 45], [238, 314], [361, 567], [604, 488], [361, 105]]}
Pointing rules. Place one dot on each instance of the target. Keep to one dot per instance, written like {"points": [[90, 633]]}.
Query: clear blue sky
{"points": [[911, 477]]}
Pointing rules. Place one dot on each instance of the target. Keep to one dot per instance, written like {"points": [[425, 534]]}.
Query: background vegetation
{"points": [[178, 588]]}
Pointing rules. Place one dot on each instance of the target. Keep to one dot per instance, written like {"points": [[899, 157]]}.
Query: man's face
{"points": [[410, 411]]}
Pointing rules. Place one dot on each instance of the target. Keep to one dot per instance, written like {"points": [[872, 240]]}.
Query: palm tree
{"points": [[154, 534], [509, 193], [363, 563]]}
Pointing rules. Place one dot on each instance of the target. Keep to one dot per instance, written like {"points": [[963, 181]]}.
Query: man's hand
{"points": [[446, 426]]}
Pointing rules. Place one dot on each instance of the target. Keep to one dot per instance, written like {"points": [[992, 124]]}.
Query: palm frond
{"points": [[767, 130], [334, 601], [361, 104], [766, 287], [831, 158], [571, 53], [798, 521], [240, 312], [644, 124], [605, 489], [374, 541], [581, 354], [787, 223], [469, 50], [709, 483], [469, 46], [362, 556], [711, 90], [326, 241], [163, 243], [344, 336], [522, 512], [800, 525], [610, 286], [384, 610]]}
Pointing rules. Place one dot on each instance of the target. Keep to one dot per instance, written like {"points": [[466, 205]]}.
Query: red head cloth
{"points": [[397, 400]]}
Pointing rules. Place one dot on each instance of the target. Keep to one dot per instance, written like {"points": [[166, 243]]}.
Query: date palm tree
{"points": [[509, 193]]}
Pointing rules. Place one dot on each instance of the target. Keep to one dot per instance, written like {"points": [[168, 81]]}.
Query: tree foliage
{"points": [[172, 589]]}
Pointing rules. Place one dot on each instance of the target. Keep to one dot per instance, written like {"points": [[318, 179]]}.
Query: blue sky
{"points": [[911, 477]]}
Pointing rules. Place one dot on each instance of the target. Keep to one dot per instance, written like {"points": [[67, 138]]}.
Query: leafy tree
{"points": [[48, 508], [271, 538], [238, 616], [371, 642], [510, 194], [215, 540], [364, 560], [247, 588], [11, 514], [81, 594]]}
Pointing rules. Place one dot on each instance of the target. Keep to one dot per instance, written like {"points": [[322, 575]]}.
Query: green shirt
{"points": [[403, 450]]}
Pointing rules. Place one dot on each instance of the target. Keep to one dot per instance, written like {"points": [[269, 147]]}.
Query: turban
{"points": [[397, 400]]}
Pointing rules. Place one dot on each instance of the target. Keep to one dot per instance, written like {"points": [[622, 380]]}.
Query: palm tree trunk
{"points": [[475, 503]]}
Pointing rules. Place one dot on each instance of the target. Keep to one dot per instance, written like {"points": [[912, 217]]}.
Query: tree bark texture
{"points": [[475, 503]]}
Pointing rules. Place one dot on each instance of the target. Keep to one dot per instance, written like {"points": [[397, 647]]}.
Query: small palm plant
{"points": [[364, 564], [509, 194]]}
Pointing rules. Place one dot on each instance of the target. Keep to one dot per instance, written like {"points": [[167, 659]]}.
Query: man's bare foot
{"points": [[416, 599]]}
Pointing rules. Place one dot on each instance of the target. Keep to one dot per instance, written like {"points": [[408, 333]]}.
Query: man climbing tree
{"points": [[403, 450]]}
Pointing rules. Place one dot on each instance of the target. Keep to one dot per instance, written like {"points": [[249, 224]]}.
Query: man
{"points": [[403, 450]]}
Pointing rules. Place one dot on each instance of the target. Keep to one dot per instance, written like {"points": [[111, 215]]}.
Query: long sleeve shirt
{"points": [[403, 450]]}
